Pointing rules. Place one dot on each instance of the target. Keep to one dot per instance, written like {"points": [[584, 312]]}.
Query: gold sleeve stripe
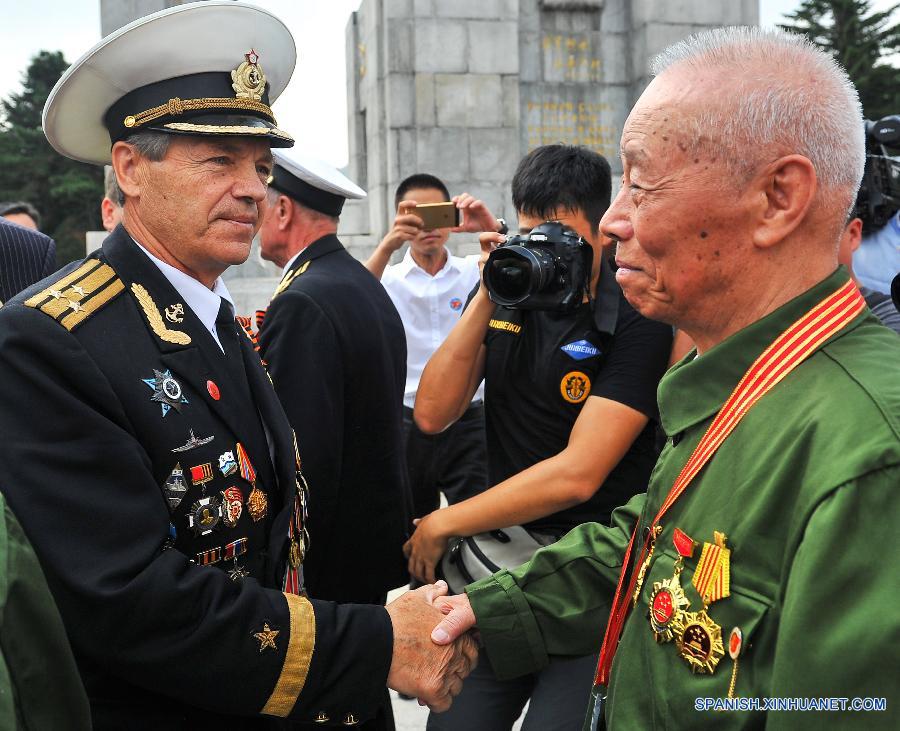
{"points": [[42, 296], [299, 654], [93, 304]]}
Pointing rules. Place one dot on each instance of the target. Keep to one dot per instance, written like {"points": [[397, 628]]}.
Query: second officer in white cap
{"points": [[336, 351]]}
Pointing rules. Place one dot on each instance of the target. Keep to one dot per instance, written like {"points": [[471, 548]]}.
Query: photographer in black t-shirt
{"points": [[570, 401]]}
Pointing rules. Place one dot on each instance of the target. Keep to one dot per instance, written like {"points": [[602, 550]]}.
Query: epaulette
{"points": [[289, 278], [78, 295]]}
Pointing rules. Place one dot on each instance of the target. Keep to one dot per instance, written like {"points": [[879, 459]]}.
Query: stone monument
{"points": [[464, 88]]}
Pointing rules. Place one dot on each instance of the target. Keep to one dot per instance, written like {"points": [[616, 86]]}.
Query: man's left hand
{"points": [[475, 215], [426, 547]]}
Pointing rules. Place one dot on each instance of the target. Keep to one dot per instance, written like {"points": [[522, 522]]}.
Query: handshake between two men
{"points": [[433, 649]]}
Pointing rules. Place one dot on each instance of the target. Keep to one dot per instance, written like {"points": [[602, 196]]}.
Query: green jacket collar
{"points": [[694, 389]]}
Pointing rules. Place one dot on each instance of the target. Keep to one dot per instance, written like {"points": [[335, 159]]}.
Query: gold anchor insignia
{"points": [[155, 319], [248, 79], [175, 313]]}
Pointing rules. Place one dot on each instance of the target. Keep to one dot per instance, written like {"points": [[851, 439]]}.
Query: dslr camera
{"points": [[547, 269], [879, 192]]}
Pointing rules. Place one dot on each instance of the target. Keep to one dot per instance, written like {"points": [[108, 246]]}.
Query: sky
{"points": [[313, 108]]}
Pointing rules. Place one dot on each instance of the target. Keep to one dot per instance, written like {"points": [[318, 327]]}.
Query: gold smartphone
{"points": [[438, 215]]}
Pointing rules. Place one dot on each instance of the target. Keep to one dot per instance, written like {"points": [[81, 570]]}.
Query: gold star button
{"points": [[74, 306], [55, 294], [266, 637], [79, 291]]}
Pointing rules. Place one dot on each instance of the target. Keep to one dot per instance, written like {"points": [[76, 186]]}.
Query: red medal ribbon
{"points": [[785, 353], [684, 544]]}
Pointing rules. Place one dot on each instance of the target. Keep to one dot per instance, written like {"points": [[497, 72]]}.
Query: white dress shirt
{"points": [[429, 307], [204, 302]]}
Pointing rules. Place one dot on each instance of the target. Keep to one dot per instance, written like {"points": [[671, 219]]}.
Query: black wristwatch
{"points": [[504, 229]]}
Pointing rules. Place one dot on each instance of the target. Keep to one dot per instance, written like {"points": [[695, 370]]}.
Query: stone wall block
{"points": [[530, 56], [398, 8], [488, 9], [400, 45], [510, 101], [425, 104], [493, 47], [468, 100], [612, 50], [733, 12], [493, 154], [441, 46], [401, 102], [443, 152]]}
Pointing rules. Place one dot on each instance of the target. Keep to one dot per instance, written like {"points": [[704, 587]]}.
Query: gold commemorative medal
{"points": [[700, 642], [296, 554], [667, 600], [257, 504]]}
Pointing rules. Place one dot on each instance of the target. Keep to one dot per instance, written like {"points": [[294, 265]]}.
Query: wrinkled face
{"points": [[677, 218], [428, 243], [205, 200]]}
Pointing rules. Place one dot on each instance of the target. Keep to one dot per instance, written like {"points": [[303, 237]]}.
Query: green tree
{"points": [[862, 41], [67, 193]]}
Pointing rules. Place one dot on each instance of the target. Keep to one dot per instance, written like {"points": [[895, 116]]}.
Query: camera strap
{"points": [[605, 306]]}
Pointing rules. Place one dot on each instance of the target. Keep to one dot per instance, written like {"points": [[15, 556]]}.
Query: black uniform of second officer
{"points": [[336, 350]]}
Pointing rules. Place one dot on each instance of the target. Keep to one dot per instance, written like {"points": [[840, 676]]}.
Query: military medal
{"points": [[207, 558], [296, 554], [257, 504], [712, 577], [246, 467], [175, 488], [204, 515], [201, 474], [166, 391], [700, 643], [232, 551], [653, 533], [667, 600], [232, 506], [735, 642], [193, 442], [227, 464]]}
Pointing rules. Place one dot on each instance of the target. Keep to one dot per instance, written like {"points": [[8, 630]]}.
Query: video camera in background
{"points": [[547, 269], [879, 193]]}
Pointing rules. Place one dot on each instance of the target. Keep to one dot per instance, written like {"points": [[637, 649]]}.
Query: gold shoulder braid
{"points": [[79, 294], [155, 318], [289, 278]]}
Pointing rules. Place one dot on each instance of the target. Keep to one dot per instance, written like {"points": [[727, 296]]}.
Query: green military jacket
{"points": [[805, 490], [39, 683]]}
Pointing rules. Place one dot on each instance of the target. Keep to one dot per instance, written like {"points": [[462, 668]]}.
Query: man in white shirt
{"points": [[429, 288]]}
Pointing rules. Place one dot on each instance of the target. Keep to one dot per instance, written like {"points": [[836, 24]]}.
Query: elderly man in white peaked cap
{"points": [[145, 451], [335, 348]]}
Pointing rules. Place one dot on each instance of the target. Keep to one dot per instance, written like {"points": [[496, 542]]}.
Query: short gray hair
{"points": [[151, 144], [776, 106], [111, 186]]}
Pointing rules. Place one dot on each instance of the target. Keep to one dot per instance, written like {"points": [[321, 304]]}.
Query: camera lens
{"points": [[513, 273]]}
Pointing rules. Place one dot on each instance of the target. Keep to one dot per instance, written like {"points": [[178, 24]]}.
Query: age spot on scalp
{"points": [[665, 138], [703, 235]]}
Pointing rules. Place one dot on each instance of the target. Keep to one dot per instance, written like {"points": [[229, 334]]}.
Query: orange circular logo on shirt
{"points": [[575, 387]]}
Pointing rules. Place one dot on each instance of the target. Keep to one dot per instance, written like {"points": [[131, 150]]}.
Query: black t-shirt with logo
{"points": [[541, 368]]}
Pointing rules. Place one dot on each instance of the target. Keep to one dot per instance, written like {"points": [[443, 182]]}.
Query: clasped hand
{"points": [[432, 651]]}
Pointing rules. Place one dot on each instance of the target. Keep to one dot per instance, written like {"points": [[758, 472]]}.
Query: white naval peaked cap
{"points": [[206, 68], [313, 182]]}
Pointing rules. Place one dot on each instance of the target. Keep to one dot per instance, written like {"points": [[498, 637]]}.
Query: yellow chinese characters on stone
{"points": [[266, 637]]}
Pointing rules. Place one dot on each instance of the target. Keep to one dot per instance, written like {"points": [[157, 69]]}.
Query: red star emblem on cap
{"points": [[252, 56]]}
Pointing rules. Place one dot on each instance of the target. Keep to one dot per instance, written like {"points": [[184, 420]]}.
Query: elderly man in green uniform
{"points": [[757, 573]]}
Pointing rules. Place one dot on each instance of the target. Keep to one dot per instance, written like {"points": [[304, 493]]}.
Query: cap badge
{"points": [[248, 79]]}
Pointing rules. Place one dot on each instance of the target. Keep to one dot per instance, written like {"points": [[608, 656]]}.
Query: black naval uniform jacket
{"points": [[336, 350], [99, 394]]}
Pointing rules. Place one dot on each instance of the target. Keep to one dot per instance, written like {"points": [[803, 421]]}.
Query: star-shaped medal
{"points": [[267, 637], [236, 574], [166, 390], [79, 291]]}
